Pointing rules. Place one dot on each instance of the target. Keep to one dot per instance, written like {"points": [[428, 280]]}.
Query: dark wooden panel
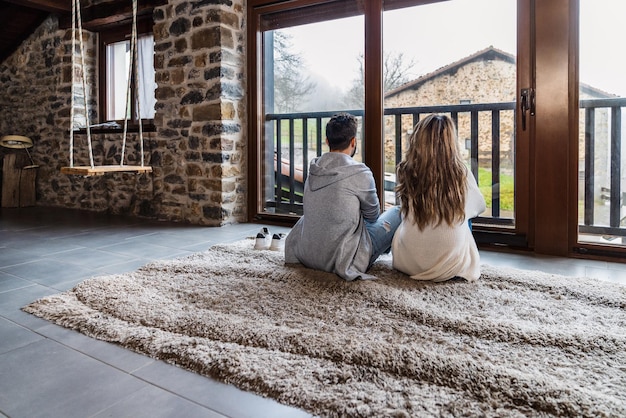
{"points": [[105, 15]]}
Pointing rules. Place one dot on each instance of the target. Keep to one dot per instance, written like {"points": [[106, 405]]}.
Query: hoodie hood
{"points": [[332, 167]]}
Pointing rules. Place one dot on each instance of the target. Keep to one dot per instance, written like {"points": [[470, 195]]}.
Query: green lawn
{"points": [[507, 189]]}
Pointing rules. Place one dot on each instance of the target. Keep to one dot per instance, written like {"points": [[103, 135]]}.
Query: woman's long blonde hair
{"points": [[431, 179]]}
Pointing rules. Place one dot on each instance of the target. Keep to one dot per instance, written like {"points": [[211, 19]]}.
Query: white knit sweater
{"points": [[442, 252]]}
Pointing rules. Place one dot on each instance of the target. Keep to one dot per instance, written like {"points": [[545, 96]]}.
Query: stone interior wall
{"points": [[198, 152]]}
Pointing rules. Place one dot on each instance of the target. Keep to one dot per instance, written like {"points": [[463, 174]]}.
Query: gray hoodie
{"points": [[339, 195]]}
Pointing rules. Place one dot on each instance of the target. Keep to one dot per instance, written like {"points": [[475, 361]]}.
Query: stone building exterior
{"points": [[487, 76], [198, 149]]}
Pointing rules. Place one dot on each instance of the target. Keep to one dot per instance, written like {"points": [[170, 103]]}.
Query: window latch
{"points": [[527, 103]]}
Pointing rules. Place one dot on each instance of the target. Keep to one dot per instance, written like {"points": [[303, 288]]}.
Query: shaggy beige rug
{"points": [[515, 343]]}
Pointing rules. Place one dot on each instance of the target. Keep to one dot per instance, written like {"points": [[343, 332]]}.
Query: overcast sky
{"points": [[438, 34], [603, 34]]}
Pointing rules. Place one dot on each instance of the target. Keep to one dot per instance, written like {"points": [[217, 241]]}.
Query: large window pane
{"points": [[602, 128], [118, 59], [312, 68], [456, 57], [118, 62]]}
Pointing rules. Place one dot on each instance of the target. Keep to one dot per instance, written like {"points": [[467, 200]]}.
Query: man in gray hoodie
{"points": [[341, 230]]}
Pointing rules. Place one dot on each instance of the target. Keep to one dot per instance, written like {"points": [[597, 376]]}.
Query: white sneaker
{"points": [[278, 242], [263, 239]]}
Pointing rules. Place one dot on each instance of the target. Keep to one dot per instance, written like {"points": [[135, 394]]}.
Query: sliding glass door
{"points": [[389, 62], [459, 58]]}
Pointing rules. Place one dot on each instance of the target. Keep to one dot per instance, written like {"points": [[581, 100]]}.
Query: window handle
{"points": [[527, 103]]}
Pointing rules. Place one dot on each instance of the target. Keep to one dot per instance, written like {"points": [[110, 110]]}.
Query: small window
{"points": [[115, 67]]}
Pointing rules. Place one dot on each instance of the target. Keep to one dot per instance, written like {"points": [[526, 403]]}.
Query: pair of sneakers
{"points": [[268, 241]]}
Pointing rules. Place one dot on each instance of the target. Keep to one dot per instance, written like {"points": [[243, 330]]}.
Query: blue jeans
{"points": [[382, 231]]}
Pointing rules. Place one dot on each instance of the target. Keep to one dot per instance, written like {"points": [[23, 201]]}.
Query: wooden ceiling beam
{"points": [[111, 13], [52, 6]]}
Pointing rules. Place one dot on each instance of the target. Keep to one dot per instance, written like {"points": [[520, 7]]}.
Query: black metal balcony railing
{"points": [[304, 136], [592, 191]]}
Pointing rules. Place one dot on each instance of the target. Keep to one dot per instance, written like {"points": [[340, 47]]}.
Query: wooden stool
{"points": [[18, 181]]}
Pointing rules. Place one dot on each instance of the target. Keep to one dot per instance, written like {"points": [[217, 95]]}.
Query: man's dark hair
{"points": [[340, 130]]}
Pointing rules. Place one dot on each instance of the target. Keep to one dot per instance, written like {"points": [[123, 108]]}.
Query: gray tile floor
{"points": [[50, 371]]}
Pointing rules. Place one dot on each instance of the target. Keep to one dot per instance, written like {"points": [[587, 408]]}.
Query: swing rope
{"points": [[77, 24], [72, 86], [133, 70]]}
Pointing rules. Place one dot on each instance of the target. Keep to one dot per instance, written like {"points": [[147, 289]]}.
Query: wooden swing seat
{"points": [[93, 170], [101, 170]]}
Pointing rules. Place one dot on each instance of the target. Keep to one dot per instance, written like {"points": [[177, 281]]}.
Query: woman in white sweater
{"points": [[438, 196]]}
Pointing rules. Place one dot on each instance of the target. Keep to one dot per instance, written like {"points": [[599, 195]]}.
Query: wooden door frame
{"points": [[546, 202], [554, 140], [374, 102], [523, 137]]}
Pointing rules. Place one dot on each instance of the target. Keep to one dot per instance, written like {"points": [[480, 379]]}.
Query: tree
{"points": [[291, 87], [396, 72]]}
